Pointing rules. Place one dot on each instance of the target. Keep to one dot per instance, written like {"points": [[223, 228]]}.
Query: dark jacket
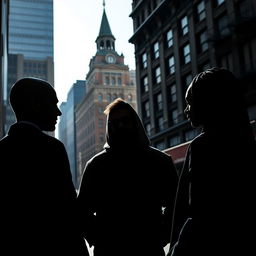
{"points": [[126, 198], [37, 195], [217, 190]]}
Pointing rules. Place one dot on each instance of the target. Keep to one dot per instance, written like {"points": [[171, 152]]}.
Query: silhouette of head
{"points": [[213, 97], [34, 100], [124, 128]]}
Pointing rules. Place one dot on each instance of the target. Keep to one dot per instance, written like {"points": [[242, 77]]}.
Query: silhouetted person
{"points": [[38, 211], [216, 192], [128, 189]]}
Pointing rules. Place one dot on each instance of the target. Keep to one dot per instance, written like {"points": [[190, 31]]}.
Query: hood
{"points": [[138, 138]]}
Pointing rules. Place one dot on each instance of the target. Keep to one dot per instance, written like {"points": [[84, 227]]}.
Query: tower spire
{"points": [[104, 4]]}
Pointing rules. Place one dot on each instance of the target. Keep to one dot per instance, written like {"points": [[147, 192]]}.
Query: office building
{"points": [[175, 40], [30, 44]]}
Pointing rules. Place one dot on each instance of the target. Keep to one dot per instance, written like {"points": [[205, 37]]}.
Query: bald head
{"points": [[34, 100]]}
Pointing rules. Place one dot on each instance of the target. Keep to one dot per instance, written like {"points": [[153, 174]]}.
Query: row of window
{"points": [[185, 52], [176, 139], [200, 14], [112, 97], [202, 44]]}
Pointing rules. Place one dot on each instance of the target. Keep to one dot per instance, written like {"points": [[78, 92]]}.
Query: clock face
{"points": [[110, 59]]}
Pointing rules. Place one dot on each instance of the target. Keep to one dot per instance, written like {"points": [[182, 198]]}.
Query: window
{"points": [[249, 54], [156, 50], [174, 116], [187, 80], [245, 9], [145, 84], [146, 109], [144, 60], [203, 41], [173, 93], [169, 38], [222, 24], [159, 101], [119, 81], [191, 134], [201, 11], [108, 97], [100, 110], [100, 97], [171, 65], [219, 2], [186, 53], [100, 123], [107, 80], [102, 138], [160, 145], [175, 140], [184, 25], [148, 129], [113, 80], [158, 75], [160, 123]]}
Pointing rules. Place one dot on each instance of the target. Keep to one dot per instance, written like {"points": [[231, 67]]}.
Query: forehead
{"points": [[119, 113], [188, 94]]}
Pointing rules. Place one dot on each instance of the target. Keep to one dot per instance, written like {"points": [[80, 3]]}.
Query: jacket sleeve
{"points": [[170, 180], [86, 204]]}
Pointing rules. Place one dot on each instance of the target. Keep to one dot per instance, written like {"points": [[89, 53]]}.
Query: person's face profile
{"points": [[192, 111], [48, 111]]}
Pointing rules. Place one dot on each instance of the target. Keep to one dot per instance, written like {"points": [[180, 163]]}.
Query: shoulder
{"points": [[52, 140], [99, 157], [51, 143]]}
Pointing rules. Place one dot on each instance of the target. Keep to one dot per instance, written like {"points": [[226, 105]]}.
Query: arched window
{"points": [[108, 97], [101, 45], [108, 44]]}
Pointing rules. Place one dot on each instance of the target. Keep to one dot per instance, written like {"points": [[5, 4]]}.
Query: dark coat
{"points": [[37, 195], [217, 190], [126, 198]]}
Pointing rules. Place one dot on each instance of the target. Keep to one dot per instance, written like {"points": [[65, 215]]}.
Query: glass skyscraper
{"points": [[31, 28], [30, 45]]}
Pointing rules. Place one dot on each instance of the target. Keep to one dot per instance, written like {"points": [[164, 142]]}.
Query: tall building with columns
{"points": [[107, 79]]}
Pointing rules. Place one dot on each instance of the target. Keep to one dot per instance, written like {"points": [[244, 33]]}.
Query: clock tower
{"points": [[108, 78]]}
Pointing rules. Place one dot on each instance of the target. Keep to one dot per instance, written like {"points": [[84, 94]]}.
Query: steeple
{"points": [[105, 39]]}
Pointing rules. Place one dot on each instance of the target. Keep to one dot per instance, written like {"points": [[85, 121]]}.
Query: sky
{"points": [[76, 27]]}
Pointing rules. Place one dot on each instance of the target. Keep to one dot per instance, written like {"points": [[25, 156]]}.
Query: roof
{"points": [[105, 29]]}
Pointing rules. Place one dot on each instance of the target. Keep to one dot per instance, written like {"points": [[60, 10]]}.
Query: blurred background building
{"points": [[175, 40], [4, 13], [67, 124]]}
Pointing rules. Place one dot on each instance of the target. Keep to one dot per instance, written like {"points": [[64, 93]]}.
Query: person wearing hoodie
{"points": [[127, 192]]}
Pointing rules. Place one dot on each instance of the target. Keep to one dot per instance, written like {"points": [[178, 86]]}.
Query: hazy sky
{"points": [[76, 27]]}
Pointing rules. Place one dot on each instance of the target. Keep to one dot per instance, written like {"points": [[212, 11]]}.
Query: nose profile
{"points": [[59, 113], [186, 109]]}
